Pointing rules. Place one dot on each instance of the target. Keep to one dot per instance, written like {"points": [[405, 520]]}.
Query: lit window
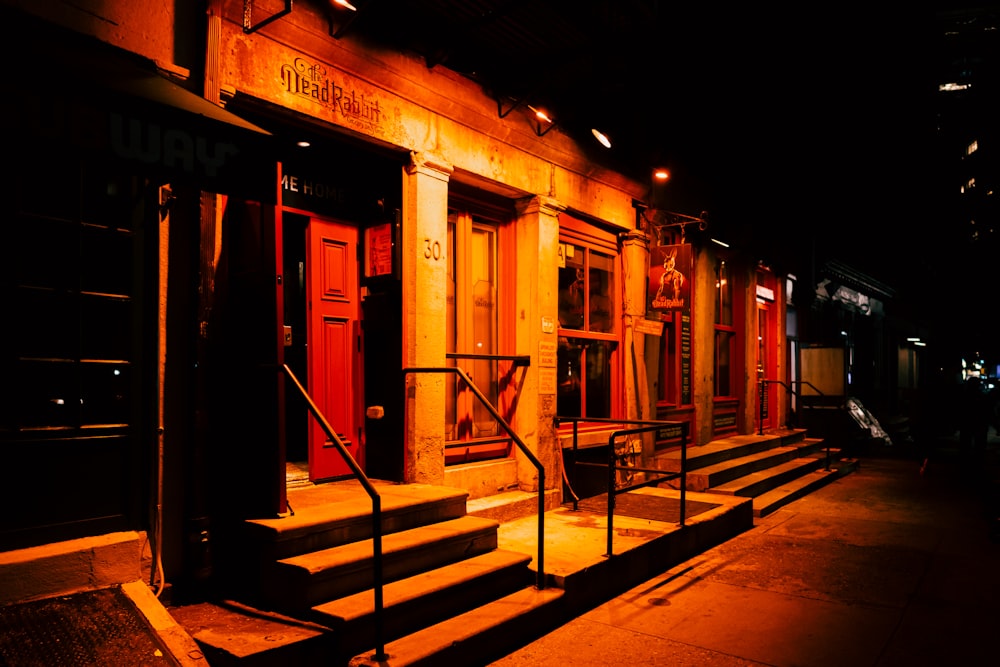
{"points": [[587, 332], [725, 332], [972, 148], [473, 335]]}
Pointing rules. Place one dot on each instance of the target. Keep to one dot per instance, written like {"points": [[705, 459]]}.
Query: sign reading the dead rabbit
{"points": [[670, 277]]}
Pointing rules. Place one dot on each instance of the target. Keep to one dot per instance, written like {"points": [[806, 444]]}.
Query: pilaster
{"points": [[635, 260], [425, 276], [536, 310]]}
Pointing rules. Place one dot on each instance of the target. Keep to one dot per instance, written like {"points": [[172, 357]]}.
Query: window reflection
{"points": [[587, 316], [584, 377]]}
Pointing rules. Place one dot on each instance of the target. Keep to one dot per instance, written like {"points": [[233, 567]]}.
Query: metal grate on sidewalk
{"points": [[100, 628]]}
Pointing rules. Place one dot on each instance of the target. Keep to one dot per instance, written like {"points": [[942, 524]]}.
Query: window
{"points": [[725, 332], [474, 335], [72, 283], [588, 329]]}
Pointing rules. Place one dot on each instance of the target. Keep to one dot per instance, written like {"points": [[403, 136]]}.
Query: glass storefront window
{"points": [[588, 337], [474, 320], [725, 333]]}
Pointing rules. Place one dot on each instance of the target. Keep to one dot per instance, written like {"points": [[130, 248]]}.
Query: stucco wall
{"points": [[396, 100]]}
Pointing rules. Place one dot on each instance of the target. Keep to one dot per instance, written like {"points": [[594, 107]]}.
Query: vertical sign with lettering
{"points": [[685, 359]]}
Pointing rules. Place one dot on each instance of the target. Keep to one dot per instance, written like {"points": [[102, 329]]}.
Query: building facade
{"points": [[219, 230]]}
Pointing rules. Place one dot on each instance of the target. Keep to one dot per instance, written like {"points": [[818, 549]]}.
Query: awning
{"points": [[73, 93]]}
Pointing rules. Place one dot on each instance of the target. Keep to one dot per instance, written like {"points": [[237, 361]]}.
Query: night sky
{"points": [[816, 135]]}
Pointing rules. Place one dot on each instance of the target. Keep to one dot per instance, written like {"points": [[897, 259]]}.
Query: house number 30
{"points": [[432, 249]]}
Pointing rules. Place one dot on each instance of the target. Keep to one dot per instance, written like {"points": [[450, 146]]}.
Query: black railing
{"points": [[798, 394], [380, 653], [653, 477], [540, 582]]}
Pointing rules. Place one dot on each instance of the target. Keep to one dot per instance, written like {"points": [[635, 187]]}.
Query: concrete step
{"points": [[426, 598], [794, 489], [760, 481], [511, 505], [478, 636], [718, 474], [328, 515], [717, 451], [302, 581]]}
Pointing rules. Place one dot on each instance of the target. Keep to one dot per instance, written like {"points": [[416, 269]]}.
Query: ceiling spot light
{"points": [[540, 114], [303, 144], [543, 119], [661, 174], [601, 138], [345, 4]]}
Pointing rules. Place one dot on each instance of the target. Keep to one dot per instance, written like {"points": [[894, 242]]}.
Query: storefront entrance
{"points": [[333, 344]]}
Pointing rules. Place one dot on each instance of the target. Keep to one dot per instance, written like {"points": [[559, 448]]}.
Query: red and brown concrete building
{"points": [[203, 202]]}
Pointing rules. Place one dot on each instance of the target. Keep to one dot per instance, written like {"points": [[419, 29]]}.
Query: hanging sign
{"points": [[669, 285]]}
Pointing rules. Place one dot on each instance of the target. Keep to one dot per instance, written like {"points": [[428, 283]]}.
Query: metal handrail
{"points": [[760, 416], [520, 360], [380, 653], [540, 582], [645, 426]]}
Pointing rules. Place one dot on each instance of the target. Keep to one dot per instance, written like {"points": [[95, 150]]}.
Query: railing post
{"points": [[477, 392], [377, 579], [684, 467], [611, 493], [760, 400]]}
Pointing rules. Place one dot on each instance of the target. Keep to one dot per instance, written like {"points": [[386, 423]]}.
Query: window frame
{"points": [[591, 239], [462, 443], [724, 336]]}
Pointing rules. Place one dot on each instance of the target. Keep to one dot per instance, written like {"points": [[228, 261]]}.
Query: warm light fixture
{"points": [[722, 243], [303, 144], [601, 138], [543, 123], [661, 174], [345, 4], [540, 114]]}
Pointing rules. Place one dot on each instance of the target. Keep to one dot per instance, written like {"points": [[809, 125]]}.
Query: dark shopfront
{"points": [[109, 163]]}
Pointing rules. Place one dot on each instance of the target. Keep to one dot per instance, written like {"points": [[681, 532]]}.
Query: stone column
{"points": [[635, 263], [703, 294], [537, 313], [425, 276]]}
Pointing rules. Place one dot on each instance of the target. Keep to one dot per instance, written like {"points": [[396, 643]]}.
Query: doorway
{"points": [[322, 310]]}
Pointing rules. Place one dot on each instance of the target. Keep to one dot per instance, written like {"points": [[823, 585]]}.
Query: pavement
{"points": [[894, 564]]}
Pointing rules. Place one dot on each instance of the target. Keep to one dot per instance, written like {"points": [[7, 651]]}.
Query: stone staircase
{"points": [[460, 587], [772, 468], [305, 594]]}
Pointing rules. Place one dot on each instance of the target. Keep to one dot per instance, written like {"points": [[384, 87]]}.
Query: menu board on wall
{"points": [[685, 359], [378, 241]]}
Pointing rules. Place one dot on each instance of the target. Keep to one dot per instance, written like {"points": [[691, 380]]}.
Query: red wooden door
{"points": [[767, 367], [334, 359]]}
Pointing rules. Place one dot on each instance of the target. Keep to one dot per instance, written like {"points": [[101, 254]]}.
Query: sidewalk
{"points": [[886, 566]]}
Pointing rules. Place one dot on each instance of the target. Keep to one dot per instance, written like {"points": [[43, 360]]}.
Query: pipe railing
{"points": [[653, 476], [788, 388], [540, 582], [376, 499]]}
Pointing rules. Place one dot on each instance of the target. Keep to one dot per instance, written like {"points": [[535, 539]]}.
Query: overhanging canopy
{"points": [[72, 93]]}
